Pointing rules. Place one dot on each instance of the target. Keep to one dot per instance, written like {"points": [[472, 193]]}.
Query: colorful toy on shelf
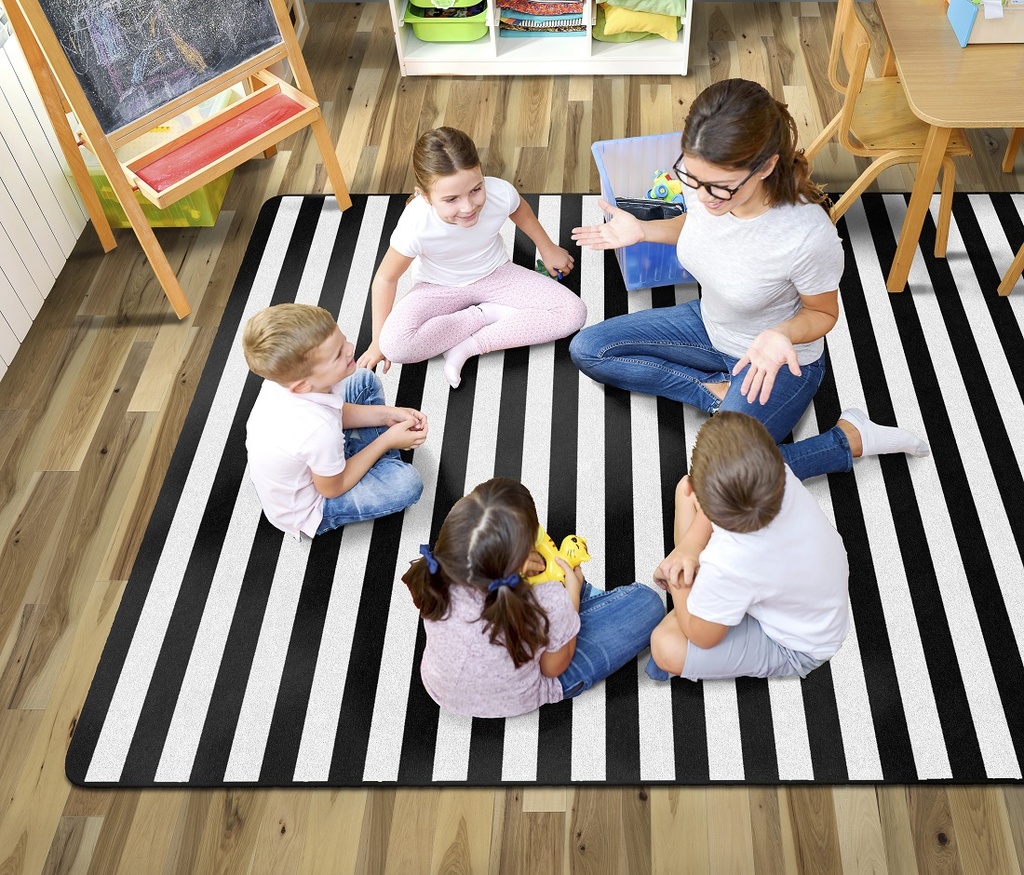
{"points": [[665, 188], [573, 550]]}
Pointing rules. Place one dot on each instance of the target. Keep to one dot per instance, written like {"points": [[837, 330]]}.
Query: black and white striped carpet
{"points": [[241, 657]]}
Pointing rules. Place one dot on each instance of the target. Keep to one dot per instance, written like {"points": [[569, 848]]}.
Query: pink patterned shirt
{"points": [[466, 674]]}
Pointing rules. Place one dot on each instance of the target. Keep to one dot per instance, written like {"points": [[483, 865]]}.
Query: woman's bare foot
{"points": [[853, 436]]}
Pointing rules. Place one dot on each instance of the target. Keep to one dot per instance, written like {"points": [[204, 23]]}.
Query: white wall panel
{"points": [[41, 212]]}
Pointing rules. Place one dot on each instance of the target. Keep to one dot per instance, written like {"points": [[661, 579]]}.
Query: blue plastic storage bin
{"points": [[627, 168]]}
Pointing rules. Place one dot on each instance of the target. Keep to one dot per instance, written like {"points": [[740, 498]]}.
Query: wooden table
{"points": [[980, 86]]}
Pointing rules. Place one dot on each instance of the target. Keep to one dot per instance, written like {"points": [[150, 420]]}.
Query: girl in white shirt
{"points": [[468, 298]]}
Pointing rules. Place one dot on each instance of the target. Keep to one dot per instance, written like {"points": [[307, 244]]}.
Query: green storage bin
{"points": [[443, 4], [197, 210], [445, 30]]}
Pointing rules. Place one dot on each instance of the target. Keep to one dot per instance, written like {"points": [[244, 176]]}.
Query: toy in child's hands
{"points": [[540, 268], [573, 551], [665, 188]]}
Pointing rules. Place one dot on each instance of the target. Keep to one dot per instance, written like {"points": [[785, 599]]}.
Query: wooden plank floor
{"points": [[92, 406]]}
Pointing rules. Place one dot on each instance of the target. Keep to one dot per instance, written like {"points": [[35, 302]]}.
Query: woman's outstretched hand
{"points": [[769, 351], [623, 229]]}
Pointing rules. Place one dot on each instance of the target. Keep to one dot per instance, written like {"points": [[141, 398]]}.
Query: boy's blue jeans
{"points": [[389, 486], [667, 351], [614, 627]]}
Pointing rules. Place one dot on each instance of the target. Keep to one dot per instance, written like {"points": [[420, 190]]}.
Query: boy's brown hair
{"points": [[737, 472], [278, 340]]}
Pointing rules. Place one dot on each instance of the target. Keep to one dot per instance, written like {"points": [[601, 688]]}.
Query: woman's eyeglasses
{"points": [[716, 190]]}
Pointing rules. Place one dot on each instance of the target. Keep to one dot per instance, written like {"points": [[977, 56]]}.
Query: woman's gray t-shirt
{"points": [[753, 271]]}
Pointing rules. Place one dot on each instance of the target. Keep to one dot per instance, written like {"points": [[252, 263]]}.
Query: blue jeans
{"points": [[614, 627], [667, 352], [389, 486]]}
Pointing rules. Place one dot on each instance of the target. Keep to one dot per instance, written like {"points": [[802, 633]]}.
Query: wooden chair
{"points": [[1013, 274], [1017, 265], [876, 121], [1011, 149]]}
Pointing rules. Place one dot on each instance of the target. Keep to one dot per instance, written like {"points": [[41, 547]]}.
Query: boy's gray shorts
{"points": [[746, 651]]}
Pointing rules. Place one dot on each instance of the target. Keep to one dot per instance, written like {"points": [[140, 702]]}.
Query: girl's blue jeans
{"points": [[667, 351], [614, 627], [389, 486]]}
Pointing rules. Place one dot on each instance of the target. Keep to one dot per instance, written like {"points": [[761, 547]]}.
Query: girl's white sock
{"points": [[493, 312], [456, 357], [880, 439]]}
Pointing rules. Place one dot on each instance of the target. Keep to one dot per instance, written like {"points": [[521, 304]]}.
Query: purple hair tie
{"points": [[432, 565], [509, 581]]}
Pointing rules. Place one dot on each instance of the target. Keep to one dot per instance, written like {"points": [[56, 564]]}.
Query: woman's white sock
{"points": [[456, 357], [878, 439]]}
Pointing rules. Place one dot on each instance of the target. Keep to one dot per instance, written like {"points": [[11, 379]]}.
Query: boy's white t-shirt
{"points": [[752, 272], [289, 435], [792, 576], [450, 255]]}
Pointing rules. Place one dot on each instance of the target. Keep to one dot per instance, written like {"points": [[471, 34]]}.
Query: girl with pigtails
{"points": [[498, 646]]}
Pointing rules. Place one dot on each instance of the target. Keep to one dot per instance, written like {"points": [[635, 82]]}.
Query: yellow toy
{"points": [[573, 551], [665, 188]]}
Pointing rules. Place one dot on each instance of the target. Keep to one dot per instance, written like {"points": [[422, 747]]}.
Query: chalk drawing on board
{"points": [[133, 56]]}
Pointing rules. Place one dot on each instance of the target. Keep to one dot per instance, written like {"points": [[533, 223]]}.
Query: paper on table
{"points": [[992, 8]]}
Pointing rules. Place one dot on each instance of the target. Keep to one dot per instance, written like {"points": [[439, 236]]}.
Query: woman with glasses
{"points": [[768, 259]]}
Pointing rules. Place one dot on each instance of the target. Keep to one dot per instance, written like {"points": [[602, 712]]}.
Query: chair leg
{"points": [[945, 207], [827, 133], [884, 162], [1013, 274], [1011, 149]]}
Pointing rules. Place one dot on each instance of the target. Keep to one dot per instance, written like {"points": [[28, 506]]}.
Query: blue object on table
{"points": [[961, 14]]}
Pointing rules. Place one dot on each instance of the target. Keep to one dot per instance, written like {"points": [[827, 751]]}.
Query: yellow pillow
{"points": [[620, 20]]}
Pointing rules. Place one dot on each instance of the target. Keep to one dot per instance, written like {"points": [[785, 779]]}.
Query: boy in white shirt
{"points": [[759, 576], [311, 472]]}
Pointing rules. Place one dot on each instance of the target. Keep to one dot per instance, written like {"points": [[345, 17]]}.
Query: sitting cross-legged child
{"points": [[323, 446], [499, 647], [759, 576]]}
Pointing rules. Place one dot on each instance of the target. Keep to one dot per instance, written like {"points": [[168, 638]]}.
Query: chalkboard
{"points": [[134, 56]]}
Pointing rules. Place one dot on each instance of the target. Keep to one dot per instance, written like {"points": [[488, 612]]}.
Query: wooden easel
{"points": [[270, 112]]}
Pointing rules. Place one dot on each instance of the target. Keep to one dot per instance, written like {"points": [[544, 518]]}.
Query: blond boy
{"points": [[322, 444]]}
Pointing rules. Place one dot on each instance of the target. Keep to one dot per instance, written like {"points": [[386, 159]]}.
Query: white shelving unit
{"points": [[495, 55]]}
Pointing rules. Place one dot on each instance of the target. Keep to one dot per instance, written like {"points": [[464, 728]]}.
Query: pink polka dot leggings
{"points": [[430, 319]]}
